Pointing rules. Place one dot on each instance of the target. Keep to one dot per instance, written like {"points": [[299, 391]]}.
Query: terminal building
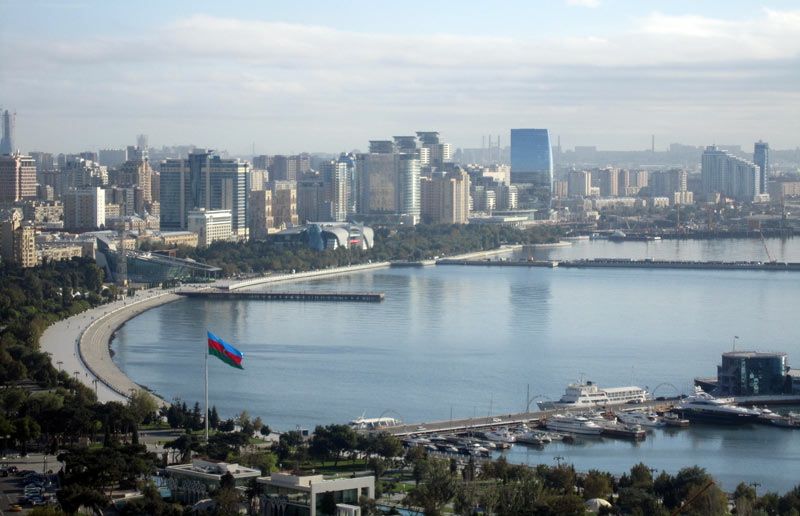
{"points": [[752, 373]]}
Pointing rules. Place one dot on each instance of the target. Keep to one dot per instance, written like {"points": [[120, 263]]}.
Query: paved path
{"points": [[79, 345]]}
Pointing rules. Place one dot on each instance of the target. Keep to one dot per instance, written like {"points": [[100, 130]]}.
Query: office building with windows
{"points": [[728, 175], [532, 165], [751, 373], [761, 159], [203, 181], [210, 226], [17, 178]]}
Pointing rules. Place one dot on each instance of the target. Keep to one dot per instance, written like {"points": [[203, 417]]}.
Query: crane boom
{"points": [[764, 243], [692, 498]]}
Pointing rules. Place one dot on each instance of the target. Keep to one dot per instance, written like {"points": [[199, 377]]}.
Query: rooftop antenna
{"points": [[735, 338]]}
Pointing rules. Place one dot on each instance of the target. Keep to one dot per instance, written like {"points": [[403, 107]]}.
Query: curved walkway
{"points": [[79, 345]]}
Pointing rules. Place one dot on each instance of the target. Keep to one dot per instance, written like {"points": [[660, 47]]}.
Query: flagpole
{"points": [[206, 398]]}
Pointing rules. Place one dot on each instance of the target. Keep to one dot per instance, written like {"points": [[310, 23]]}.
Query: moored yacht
{"points": [[702, 406], [640, 417], [573, 424]]}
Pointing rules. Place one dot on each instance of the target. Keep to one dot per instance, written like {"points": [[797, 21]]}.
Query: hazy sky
{"points": [[329, 76]]}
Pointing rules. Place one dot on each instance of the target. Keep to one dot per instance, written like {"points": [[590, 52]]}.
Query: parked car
{"points": [[15, 508]]}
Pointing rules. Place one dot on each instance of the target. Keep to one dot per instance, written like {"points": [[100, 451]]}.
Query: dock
{"points": [[354, 297]]}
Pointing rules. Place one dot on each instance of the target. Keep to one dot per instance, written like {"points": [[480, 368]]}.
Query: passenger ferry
{"points": [[588, 395]]}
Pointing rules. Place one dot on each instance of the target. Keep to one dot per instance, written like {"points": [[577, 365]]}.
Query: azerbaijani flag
{"points": [[224, 351]]}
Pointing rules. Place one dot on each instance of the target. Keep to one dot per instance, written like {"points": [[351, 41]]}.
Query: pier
{"points": [[485, 423], [357, 297], [629, 263]]}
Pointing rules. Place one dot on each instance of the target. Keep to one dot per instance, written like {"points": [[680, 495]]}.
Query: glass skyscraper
{"points": [[761, 159], [532, 164]]}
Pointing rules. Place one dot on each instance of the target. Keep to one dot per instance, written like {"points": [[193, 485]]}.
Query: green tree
{"points": [[596, 485], [142, 406], [437, 488]]}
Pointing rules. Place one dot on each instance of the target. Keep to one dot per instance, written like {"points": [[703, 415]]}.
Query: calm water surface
{"points": [[469, 340]]}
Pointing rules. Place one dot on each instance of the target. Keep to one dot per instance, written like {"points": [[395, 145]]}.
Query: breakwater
{"points": [[362, 297]]}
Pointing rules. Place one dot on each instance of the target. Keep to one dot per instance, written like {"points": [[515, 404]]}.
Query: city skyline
{"points": [[330, 78]]}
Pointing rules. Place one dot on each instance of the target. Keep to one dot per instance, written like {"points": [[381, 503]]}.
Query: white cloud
{"points": [[232, 69]]}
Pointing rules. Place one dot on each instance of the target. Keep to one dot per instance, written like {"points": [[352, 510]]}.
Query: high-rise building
{"points": [[203, 181], [17, 178], [531, 157], [284, 203], [580, 183], [337, 176], [142, 147], [112, 157], [136, 172], [532, 166], [262, 162], [381, 147], [80, 173], [608, 181], [731, 176], [17, 239], [259, 213], [435, 154], [84, 209], [376, 173], [210, 226], [7, 140], [310, 200], [408, 191], [283, 168], [668, 182], [761, 159], [445, 197]]}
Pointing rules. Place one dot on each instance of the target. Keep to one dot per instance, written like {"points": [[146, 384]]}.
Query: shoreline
{"points": [[88, 356], [89, 334]]}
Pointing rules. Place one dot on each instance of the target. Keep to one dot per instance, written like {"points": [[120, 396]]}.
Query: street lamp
{"points": [[95, 386], [755, 486], [59, 364], [735, 338]]}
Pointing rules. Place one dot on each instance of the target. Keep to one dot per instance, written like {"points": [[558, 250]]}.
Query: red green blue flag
{"points": [[224, 351]]}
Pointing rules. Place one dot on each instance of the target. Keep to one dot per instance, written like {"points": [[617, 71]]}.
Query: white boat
{"points": [[500, 436], [640, 417], [573, 424], [702, 406], [375, 423], [588, 395], [534, 438]]}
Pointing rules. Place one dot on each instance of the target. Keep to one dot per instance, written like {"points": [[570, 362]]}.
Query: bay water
{"points": [[455, 341]]}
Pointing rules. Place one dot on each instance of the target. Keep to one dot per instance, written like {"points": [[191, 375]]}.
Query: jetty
{"points": [[213, 293]]}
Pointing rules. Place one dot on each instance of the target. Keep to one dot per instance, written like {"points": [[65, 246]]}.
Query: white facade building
{"points": [[210, 226]]}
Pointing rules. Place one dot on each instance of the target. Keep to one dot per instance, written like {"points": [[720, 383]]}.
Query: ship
{"points": [[704, 407], [588, 395]]}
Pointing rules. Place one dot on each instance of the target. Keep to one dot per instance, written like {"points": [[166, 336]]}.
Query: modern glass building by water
{"points": [[531, 157]]}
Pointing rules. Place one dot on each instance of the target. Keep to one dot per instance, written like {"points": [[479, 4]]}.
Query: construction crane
{"points": [[764, 243], [693, 497]]}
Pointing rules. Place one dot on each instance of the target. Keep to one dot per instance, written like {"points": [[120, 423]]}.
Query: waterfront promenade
{"points": [[80, 344]]}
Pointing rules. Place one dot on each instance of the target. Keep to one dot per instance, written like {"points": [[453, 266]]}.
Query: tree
{"points": [[74, 496], [142, 406], [437, 488], [25, 429], [213, 418], [596, 485], [641, 476]]}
